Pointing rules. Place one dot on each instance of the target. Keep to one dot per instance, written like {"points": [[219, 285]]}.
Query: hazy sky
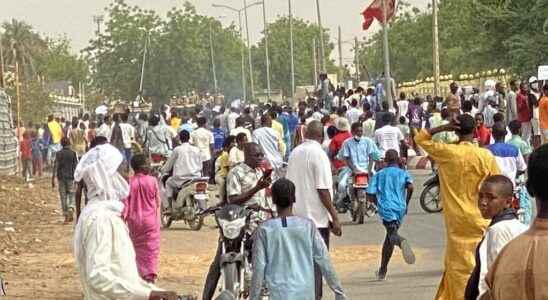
{"points": [[75, 17]]}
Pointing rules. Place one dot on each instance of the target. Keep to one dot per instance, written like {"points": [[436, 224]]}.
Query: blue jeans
{"points": [[343, 177]]}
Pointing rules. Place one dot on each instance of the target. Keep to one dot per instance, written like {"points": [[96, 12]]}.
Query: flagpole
{"points": [[387, 81], [435, 48]]}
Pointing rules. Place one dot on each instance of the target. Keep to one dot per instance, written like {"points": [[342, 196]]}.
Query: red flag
{"points": [[374, 11]]}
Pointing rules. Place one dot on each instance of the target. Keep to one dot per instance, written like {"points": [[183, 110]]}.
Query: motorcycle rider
{"points": [[245, 185], [185, 163], [359, 152]]}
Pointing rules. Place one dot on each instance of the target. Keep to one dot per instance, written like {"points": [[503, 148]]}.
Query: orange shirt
{"points": [[543, 111]]}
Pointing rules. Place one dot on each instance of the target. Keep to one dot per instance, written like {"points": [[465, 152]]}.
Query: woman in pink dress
{"points": [[141, 213]]}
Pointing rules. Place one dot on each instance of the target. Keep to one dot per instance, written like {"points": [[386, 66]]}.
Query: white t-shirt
{"points": [[128, 134], [388, 137], [231, 120], [353, 115], [309, 169], [202, 138], [403, 106], [239, 130]]}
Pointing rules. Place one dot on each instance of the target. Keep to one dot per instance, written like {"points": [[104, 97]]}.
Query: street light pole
{"points": [[341, 71], [249, 53], [291, 50], [1, 62], [315, 62], [267, 60], [212, 57], [387, 78], [243, 57], [143, 67], [435, 48], [322, 45]]}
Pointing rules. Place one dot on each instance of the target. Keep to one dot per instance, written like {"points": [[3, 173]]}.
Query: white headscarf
{"points": [[99, 170]]}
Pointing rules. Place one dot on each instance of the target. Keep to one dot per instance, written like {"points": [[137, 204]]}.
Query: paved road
{"points": [[419, 281]]}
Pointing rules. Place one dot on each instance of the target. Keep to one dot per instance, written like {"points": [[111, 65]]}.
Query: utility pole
{"points": [[212, 57], [2, 70], [291, 50], [243, 57], [17, 88], [267, 59], [143, 68], [387, 77], [341, 71], [435, 48], [322, 45], [357, 59], [98, 19], [314, 59], [249, 53]]}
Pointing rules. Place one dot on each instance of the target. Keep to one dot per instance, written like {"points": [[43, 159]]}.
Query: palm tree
{"points": [[25, 44]]}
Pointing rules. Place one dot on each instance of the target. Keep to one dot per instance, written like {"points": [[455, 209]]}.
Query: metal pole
{"points": [[267, 60], [315, 60], [357, 60], [387, 81], [249, 53], [212, 56], [143, 66], [322, 45], [341, 71], [1, 63], [291, 50], [244, 92], [435, 48], [17, 89]]}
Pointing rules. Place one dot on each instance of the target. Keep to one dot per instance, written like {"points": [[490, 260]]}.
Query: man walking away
{"points": [[26, 156], [387, 189], [519, 272], [289, 271], [203, 139], [309, 169], [63, 169], [271, 143]]}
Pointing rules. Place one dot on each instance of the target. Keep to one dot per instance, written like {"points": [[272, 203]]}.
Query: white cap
{"points": [[532, 79]]}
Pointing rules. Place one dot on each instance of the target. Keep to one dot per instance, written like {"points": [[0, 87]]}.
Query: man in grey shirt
{"points": [[511, 104]]}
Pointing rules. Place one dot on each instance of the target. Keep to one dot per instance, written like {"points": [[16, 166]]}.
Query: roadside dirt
{"points": [[36, 248]]}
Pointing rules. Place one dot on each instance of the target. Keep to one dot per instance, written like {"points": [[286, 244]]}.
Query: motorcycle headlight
{"points": [[232, 229]]}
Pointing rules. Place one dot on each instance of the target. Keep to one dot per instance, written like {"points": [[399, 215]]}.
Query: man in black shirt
{"points": [[63, 169], [247, 120]]}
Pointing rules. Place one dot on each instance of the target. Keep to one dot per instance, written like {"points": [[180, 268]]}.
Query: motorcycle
{"points": [[355, 201], [190, 200], [430, 199], [360, 205], [234, 221]]}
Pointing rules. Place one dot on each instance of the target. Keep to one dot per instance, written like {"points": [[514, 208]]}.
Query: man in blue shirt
{"points": [[285, 250], [387, 188], [219, 136], [359, 153]]}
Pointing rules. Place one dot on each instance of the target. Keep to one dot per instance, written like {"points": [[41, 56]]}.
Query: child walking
{"points": [[387, 188], [63, 169], [142, 215], [26, 156]]}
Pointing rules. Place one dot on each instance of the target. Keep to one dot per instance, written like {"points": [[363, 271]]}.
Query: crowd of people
{"points": [[298, 161]]}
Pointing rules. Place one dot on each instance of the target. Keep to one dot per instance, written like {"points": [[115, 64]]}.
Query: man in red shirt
{"points": [[524, 112], [482, 134], [343, 128], [343, 134]]}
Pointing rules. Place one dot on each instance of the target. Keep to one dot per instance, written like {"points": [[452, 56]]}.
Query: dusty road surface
{"points": [[37, 262]]}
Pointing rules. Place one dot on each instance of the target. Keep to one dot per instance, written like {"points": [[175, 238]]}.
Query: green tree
{"points": [[279, 53]]}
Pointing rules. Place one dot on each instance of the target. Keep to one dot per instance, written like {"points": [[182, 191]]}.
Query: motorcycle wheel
{"points": [[165, 219], [430, 198], [198, 220], [231, 279], [360, 213]]}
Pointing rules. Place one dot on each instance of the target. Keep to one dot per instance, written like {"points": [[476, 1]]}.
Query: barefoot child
{"points": [[142, 215], [387, 188]]}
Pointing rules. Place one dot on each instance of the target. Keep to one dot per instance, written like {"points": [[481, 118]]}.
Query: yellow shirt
{"points": [[279, 128], [175, 123], [462, 168], [56, 131], [224, 164]]}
